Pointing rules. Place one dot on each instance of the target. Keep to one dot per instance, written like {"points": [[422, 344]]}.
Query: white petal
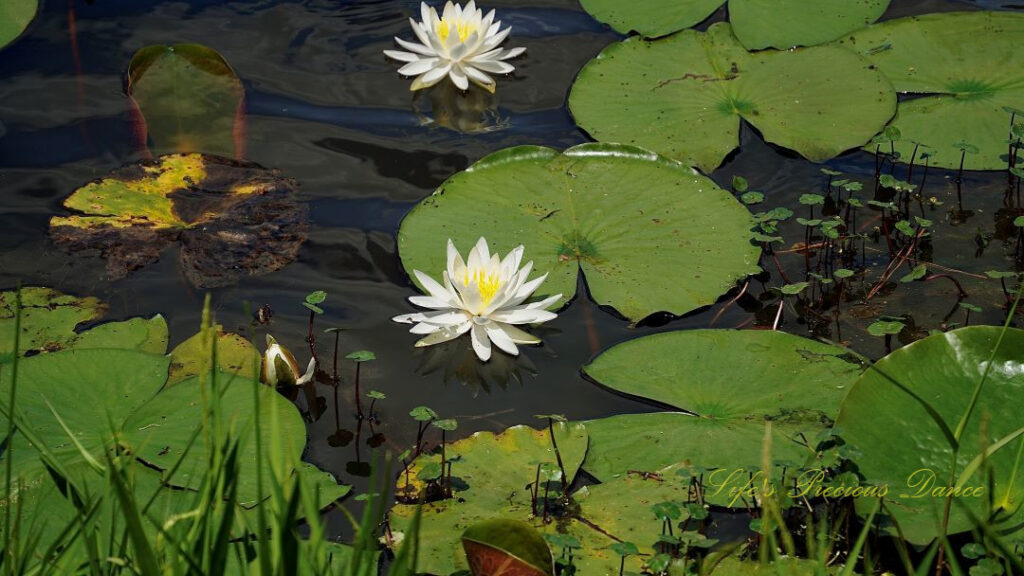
{"points": [[424, 328], [444, 335], [479, 77], [542, 304], [431, 285], [408, 318], [481, 344], [512, 53], [449, 11], [518, 336], [414, 47], [482, 252], [427, 15], [430, 302], [500, 339], [401, 56], [459, 78], [434, 76], [446, 318], [458, 51], [418, 67], [513, 258], [498, 38], [421, 33], [523, 316], [492, 66]]}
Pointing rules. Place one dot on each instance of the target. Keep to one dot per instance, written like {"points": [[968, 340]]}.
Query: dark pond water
{"points": [[326, 108]]}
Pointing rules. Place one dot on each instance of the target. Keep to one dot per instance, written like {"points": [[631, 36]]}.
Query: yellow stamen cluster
{"points": [[487, 284], [463, 28]]}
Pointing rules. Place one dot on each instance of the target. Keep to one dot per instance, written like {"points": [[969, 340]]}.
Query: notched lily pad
{"points": [[50, 321], [233, 219], [683, 96], [966, 85]]}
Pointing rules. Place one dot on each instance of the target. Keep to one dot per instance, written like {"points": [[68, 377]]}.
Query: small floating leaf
{"points": [[362, 356], [235, 355]]}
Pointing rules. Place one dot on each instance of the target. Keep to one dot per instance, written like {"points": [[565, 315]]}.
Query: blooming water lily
{"points": [[461, 44], [483, 295], [280, 367]]}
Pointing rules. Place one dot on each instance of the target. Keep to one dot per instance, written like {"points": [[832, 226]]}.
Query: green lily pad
{"points": [[160, 432], [966, 83], [142, 334], [652, 18], [235, 355], [507, 547], [758, 23], [622, 506], [48, 319], [684, 96], [233, 219], [489, 472], [730, 383], [15, 16], [188, 98], [901, 445], [787, 23], [623, 216]]}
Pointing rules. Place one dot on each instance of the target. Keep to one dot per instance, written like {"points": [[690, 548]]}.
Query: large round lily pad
{"points": [[233, 219], [15, 16], [188, 99], [903, 446], [967, 83], [758, 23], [727, 384], [684, 96], [648, 233]]}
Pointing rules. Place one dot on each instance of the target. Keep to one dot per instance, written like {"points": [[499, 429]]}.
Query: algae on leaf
{"points": [[233, 219]]}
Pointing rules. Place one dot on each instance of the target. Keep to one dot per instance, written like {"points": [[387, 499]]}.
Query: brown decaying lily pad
{"points": [[233, 218]]}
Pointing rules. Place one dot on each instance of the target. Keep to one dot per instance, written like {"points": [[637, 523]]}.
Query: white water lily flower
{"points": [[484, 296], [280, 367], [462, 44]]}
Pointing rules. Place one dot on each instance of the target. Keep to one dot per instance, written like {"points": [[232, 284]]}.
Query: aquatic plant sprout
{"points": [[461, 44], [483, 295]]}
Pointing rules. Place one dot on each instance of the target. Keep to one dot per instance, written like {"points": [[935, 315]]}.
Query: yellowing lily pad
{"points": [[188, 99], [235, 355], [968, 65], [50, 319], [684, 96], [648, 233], [233, 219]]}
